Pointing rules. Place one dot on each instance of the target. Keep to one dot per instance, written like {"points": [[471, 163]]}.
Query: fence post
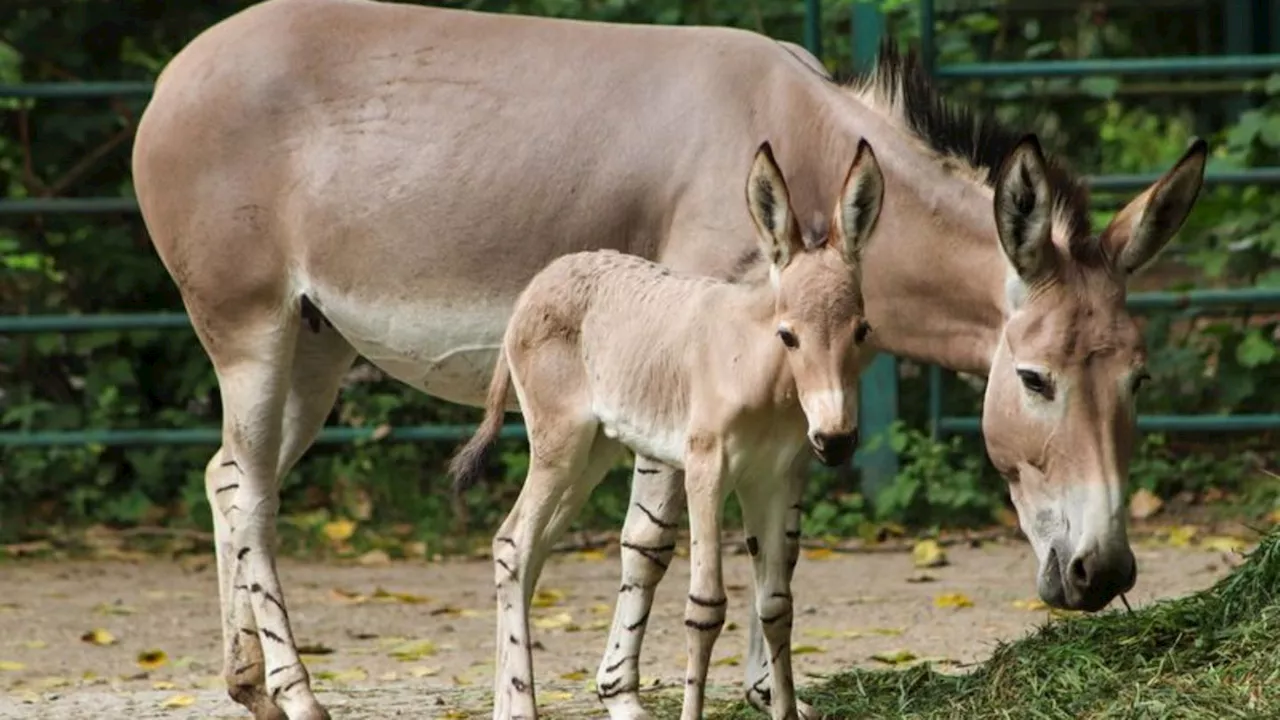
{"points": [[878, 402], [813, 27]]}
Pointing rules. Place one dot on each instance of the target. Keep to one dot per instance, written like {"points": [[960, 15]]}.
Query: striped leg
{"points": [[759, 681], [705, 610], [767, 515], [648, 542]]}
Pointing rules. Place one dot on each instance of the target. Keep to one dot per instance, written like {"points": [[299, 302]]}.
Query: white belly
{"points": [[445, 350]]}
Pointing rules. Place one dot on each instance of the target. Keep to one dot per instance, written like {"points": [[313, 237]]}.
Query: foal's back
{"points": [[621, 338]]}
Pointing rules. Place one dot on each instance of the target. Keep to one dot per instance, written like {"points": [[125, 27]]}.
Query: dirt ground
{"points": [[423, 649]]}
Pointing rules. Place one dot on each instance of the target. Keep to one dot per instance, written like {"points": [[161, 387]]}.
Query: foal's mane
{"points": [[900, 87]]}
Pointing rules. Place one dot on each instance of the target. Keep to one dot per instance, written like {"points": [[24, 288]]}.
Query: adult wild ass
{"points": [[726, 381], [327, 178]]}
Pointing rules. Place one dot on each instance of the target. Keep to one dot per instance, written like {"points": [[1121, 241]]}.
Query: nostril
{"points": [[1078, 572]]}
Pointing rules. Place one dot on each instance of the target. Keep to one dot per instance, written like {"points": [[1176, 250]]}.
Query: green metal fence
{"points": [[880, 382]]}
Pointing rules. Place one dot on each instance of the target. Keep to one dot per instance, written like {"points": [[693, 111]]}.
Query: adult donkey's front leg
{"points": [[759, 679], [648, 542]]}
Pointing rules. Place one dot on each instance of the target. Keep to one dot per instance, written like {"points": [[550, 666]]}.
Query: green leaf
{"points": [[1270, 132], [1273, 84], [1100, 87], [1255, 350]]}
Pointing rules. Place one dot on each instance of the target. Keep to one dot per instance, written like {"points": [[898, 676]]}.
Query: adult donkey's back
{"points": [[330, 177]]}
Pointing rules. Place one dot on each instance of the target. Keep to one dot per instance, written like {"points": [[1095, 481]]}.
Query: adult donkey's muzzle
{"points": [[1087, 580], [834, 449]]}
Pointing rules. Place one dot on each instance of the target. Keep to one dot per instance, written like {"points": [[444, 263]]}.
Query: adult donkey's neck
{"points": [[935, 283]]}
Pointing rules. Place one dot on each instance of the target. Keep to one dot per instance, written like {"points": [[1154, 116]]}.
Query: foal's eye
{"points": [[860, 333], [1141, 378], [788, 338], [1036, 383]]}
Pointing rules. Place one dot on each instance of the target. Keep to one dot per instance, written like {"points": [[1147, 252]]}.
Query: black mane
{"points": [[957, 131]]}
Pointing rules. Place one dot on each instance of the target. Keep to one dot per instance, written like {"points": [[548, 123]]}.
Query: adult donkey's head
{"points": [[1059, 414], [1066, 360]]}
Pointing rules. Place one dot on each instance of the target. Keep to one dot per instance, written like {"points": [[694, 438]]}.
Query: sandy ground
{"points": [[427, 653]]}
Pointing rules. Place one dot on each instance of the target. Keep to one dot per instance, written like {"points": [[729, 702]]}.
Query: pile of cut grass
{"points": [[1214, 654]]}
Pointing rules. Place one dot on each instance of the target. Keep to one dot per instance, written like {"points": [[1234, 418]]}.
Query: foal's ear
{"points": [[770, 206], [1024, 211], [1145, 226], [859, 206]]}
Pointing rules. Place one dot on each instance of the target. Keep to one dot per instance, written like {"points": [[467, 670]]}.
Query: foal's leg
{"points": [[275, 395], [648, 542], [553, 493], [766, 511], [759, 681], [705, 611]]}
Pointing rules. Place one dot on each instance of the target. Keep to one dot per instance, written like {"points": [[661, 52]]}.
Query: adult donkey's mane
{"points": [[901, 85]]}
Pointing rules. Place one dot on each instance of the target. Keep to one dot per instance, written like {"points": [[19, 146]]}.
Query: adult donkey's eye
{"points": [[788, 338], [1141, 378], [1036, 383]]}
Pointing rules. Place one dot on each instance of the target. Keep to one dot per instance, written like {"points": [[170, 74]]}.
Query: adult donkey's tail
{"points": [[468, 463]]}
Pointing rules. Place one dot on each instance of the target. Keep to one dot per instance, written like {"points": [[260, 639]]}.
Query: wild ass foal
{"points": [[726, 381]]}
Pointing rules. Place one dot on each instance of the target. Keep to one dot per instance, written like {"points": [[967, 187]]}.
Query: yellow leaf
{"points": [[178, 701], [589, 555], [374, 557], [550, 696], [1223, 543], [928, 554], [552, 622], [11, 666], [601, 608], [820, 553], [575, 676], [152, 659], [35, 644], [98, 636], [452, 611], [887, 631], [407, 598], [832, 634], [339, 530], [1032, 604], [347, 676], [411, 651], [49, 683], [424, 671], [348, 596], [1181, 536], [112, 609], [456, 715], [895, 657], [806, 650], [731, 661], [163, 685], [954, 600], [548, 598]]}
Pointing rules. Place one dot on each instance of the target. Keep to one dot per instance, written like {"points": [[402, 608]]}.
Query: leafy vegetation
{"points": [[1226, 362], [1210, 654]]}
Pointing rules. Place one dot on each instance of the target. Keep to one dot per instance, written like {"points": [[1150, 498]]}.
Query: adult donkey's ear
{"points": [[859, 206], [1145, 226], [1024, 212], [770, 206]]}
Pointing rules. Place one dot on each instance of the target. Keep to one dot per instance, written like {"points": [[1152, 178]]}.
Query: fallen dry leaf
{"points": [[374, 558], [98, 636], [575, 675], [34, 644], [806, 649], [589, 555], [451, 611], [552, 622], [921, 578], [894, 657], [928, 554], [832, 634], [412, 651], [113, 609], [1181, 536], [952, 600], [549, 696], [1032, 604], [819, 553], [11, 666], [548, 597], [152, 659], [163, 685], [339, 530], [601, 608], [407, 598], [424, 671], [730, 661], [178, 701], [1223, 543], [1143, 504], [314, 649]]}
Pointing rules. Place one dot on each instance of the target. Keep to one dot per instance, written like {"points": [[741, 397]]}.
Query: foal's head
{"points": [[818, 308], [1059, 415]]}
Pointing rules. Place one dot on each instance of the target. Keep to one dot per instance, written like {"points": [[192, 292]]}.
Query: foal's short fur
{"points": [[725, 381]]}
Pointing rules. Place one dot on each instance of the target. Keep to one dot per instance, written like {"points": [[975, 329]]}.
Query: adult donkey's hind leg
{"points": [[277, 387], [648, 542]]}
